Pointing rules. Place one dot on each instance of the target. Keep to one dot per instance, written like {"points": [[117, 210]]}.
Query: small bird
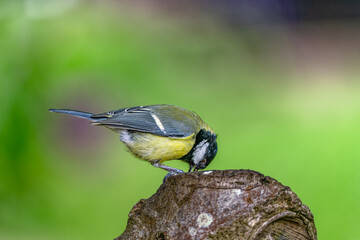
{"points": [[158, 133]]}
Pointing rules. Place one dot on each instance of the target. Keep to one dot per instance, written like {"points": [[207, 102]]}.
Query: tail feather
{"points": [[75, 113]]}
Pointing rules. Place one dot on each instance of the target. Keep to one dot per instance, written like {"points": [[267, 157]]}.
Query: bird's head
{"points": [[203, 152]]}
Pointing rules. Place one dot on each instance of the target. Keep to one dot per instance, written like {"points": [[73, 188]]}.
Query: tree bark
{"points": [[231, 204]]}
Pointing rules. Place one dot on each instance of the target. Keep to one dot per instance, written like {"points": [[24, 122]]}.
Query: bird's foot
{"points": [[171, 170], [172, 174]]}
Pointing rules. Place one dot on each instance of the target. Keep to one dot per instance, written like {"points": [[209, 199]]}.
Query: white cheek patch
{"points": [[125, 137], [200, 151], [158, 122]]}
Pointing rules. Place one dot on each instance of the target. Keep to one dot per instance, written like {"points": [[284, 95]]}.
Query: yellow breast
{"points": [[154, 148]]}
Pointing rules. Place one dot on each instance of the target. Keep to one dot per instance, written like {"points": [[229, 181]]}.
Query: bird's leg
{"points": [[171, 170], [167, 168]]}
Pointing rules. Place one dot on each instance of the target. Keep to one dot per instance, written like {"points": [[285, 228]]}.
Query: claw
{"points": [[171, 174]]}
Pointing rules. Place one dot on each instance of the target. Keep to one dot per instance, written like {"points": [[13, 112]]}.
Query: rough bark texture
{"points": [[231, 204]]}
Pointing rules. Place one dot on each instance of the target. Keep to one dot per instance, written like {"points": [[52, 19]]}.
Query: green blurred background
{"points": [[280, 88]]}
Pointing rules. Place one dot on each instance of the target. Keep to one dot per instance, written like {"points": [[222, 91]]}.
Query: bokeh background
{"points": [[277, 80]]}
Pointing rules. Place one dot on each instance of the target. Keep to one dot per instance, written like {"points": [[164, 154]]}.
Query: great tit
{"points": [[158, 133]]}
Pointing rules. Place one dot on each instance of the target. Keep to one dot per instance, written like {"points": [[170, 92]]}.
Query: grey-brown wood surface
{"points": [[231, 204]]}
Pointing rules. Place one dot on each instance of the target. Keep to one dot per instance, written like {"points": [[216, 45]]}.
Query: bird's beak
{"points": [[191, 167]]}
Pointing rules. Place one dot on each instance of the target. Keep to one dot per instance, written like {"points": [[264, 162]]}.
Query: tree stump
{"points": [[231, 204]]}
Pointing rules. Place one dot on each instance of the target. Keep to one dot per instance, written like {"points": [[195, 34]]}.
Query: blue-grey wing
{"points": [[162, 120]]}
